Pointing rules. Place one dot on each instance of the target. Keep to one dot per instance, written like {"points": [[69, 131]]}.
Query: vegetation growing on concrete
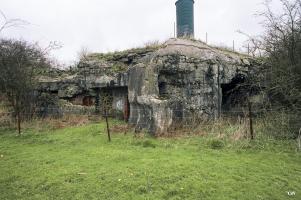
{"points": [[119, 55]]}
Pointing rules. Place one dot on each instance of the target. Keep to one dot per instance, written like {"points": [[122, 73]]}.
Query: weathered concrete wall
{"points": [[179, 82], [182, 83], [119, 98]]}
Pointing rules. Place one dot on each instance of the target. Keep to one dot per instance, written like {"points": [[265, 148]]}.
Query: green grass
{"points": [[79, 163]]}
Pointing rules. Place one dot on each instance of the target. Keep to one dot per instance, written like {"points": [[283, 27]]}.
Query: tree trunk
{"points": [[19, 123], [107, 122], [97, 101], [250, 119], [299, 140], [17, 109]]}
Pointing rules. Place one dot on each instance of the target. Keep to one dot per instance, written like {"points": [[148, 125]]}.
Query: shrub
{"points": [[145, 143], [142, 189], [280, 125], [148, 144], [216, 144]]}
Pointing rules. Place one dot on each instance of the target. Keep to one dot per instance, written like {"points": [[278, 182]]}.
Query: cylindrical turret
{"points": [[185, 18]]}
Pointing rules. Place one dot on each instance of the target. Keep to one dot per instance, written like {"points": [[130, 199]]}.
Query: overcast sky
{"points": [[109, 25]]}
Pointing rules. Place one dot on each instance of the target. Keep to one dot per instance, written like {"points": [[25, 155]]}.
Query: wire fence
{"points": [[172, 119], [145, 116]]}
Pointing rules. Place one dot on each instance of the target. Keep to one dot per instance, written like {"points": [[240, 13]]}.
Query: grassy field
{"points": [[79, 163]]}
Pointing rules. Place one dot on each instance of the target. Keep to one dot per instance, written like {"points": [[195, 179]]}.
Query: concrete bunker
{"points": [[171, 84], [163, 86], [234, 94], [116, 101], [178, 83], [88, 101]]}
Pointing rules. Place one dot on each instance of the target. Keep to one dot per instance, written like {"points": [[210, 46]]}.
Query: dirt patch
{"points": [[67, 121], [124, 129]]}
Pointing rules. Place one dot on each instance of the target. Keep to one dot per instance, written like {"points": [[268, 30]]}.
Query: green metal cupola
{"points": [[185, 18]]}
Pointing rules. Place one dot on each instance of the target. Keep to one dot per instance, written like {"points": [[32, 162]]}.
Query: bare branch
{"points": [[3, 15], [53, 45], [9, 23]]}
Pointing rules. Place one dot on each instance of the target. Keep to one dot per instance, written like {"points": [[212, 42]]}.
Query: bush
{"points": [[142, 189], [148, 144], [280, 125], [216, 144], [145, 143]]}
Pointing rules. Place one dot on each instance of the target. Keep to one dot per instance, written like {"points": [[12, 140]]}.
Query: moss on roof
{"points": [[118, 55]]}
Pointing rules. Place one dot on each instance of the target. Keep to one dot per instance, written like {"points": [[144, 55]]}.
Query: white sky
{"points": [[109, 25]]}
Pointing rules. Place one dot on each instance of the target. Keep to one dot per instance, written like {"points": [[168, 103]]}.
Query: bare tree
{"points": [[280, 48], [282, 44], [283, 30], [254, 45], [83, 56], [19, 64], [106, 101], [83, 53]]}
